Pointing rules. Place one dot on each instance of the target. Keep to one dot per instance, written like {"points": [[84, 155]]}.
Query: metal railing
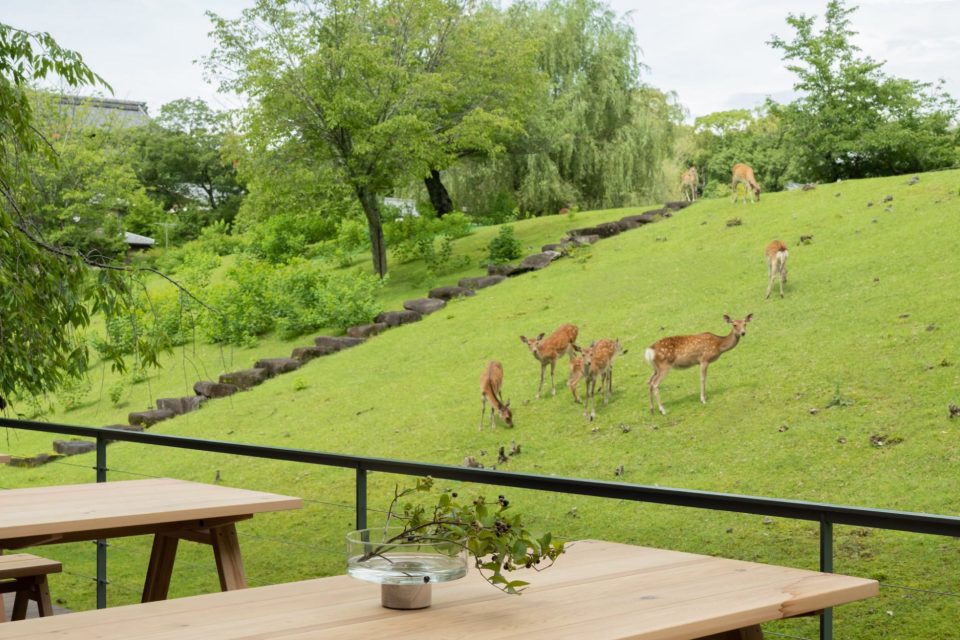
{"points": [[827, 515]]}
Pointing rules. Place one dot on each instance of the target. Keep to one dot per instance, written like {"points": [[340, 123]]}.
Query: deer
{"points": [[490, 383], [598, 362], [680, 352], [576, 375], [776, 254], [548, 351], [689, 182], [742, 173]]}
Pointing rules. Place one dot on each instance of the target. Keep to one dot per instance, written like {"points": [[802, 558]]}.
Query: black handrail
{"points": [[824, 513], [738, 503]]}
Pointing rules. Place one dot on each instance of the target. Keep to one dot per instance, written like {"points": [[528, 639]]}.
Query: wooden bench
{"points": [[26, 576], [4, 458]]}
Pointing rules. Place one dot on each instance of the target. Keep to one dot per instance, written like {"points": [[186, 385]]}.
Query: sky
{"points": [[712, 53]]}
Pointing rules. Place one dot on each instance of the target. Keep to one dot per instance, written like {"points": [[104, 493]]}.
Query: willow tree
{"points": [[600, 136], [383, 91]]}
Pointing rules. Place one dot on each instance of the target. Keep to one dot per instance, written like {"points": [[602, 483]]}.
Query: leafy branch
{"points": [[497, 540]]}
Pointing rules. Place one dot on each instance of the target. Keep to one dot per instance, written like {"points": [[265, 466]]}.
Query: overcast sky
{"points": [[712, 53]]}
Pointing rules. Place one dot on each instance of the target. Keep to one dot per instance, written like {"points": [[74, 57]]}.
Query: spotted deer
{"points": [[490, 383], [680, 352], [743, 174], [776, 254], [548, 351], [689, 182], [598, 363]]}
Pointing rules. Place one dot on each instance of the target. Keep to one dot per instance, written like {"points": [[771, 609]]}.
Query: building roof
{"points": [[101, 111], [136, 240]]}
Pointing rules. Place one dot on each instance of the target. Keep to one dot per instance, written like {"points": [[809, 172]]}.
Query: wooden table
{"points": [[597, 590], [168, 509]]}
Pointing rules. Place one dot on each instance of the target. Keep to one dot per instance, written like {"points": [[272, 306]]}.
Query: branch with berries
{"points": [[497, 541]]}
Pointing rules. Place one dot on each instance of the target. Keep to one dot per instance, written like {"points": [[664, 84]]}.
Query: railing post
{"points": [[361, 498], [826, 565], [101, 544]]}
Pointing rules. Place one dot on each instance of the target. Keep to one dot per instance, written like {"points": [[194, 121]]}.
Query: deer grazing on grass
{"points": [[548, 351], [776, 254], [689, 182], [598, 362], [490, 383], [680, 352], [743, 174]]}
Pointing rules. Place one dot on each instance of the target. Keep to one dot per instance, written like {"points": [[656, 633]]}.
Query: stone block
{"points": [[149, 418], [449, 293], [366, 330], [182, 405], [276, 366], [332, 344], [481, 282], [397, 318], [424, 306], [306, 354], [246, 378], [73, 447], [209, 389]]}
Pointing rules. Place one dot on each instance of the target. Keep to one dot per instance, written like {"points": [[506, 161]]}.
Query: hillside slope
{"points": [[838, 392]]}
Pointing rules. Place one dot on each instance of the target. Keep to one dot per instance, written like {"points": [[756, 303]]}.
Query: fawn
{"points": [[776, 254], [598, 361], [490, 383], [680, 352], [548, 351]]}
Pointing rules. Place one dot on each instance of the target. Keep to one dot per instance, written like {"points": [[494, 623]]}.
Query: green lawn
{"points": [[862, 349]]}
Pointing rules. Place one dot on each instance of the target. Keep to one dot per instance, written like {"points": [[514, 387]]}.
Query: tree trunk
{"points": [[378, 246], [439, 197]]}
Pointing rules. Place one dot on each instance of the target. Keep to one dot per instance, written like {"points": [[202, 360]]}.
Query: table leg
{"points": [[157, 583], [226, 550], [3, 611]]}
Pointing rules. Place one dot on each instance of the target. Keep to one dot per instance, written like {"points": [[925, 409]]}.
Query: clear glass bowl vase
{"points": [[404, 565]]}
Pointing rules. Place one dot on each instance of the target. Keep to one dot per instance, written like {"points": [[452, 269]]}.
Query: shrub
{"points": [[243, 305], [215, 238], [505, 247]]}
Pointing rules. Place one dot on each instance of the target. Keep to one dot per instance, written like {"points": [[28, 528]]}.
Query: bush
{"points": [[505, 247], [412, 237], [243, 305], [308, 298], [293, 299]]}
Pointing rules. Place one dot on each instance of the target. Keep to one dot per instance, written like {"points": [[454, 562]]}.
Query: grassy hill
{"points": [[838, 393]]}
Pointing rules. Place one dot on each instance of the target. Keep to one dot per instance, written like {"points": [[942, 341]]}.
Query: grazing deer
{"points": [[680, 352], [490, 383], [548, 351], [742, 173], [598, 361], [776, 254], [689, 182]]}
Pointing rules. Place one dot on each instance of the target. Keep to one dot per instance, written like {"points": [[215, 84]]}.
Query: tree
{"points": [[598, 137], [91, 195], [47, 291], [852, 120], [182, 164], [373, 88], [756, 137]]}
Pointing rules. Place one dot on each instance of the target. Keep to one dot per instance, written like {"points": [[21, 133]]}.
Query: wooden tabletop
{"points": [[597, 590], [55, 511]]}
